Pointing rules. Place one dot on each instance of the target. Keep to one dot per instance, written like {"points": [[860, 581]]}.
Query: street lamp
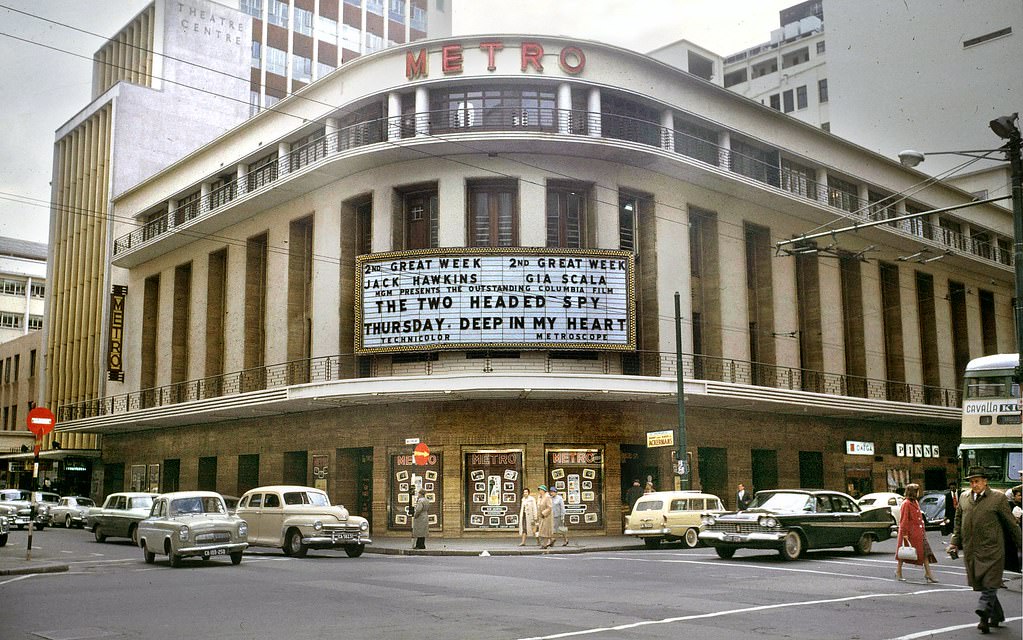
{"points": [[1006, 128]]}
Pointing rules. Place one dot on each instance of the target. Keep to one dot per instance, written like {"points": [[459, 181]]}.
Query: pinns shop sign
{"points": [[531, 57]]}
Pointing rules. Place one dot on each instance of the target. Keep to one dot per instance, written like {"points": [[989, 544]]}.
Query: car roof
{"points": [[190, 494], [280, 488], [880, 493], [812, 492], [664, 495]]}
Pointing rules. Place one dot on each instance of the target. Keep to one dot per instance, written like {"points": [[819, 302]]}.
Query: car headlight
{"points": [[317, 525], [183, 533], [364, 526], [767, 522], [708, 521], [243, 529]]}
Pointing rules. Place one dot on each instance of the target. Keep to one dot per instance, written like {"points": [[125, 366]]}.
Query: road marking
{"points": [[767, 567], [720, 614], [104, 561], [29, 575], [932, 632]]}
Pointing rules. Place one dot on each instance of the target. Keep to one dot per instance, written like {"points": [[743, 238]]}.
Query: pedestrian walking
{"points": [[913, 533], [545, 523], [984, 527], [649, 488], [558, 515], [421, 520], [634, 493], [951, 502], [527, 517], [742, 498]]}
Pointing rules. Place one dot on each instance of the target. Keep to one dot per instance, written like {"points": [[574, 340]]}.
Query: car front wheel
{"points": [[725, 552], [148, 555], [354, 550], [175, 560], [652, 543], [98, 533], [293, 544], [67, 522], [692, 538], [864, 545], [236, 557], [3, 540], [793, 546]]}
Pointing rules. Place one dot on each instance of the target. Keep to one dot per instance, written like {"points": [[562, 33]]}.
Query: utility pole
{"points": [[681, 461]]}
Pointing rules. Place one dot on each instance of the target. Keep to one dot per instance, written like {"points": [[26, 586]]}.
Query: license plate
{"points": [[646, 525], [214, 552], [345, 535], [733, 538]]}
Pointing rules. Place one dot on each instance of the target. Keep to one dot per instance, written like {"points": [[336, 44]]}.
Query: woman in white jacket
{"points": [[527, 516]]}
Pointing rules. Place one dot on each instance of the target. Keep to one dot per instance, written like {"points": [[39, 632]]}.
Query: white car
{"points": [[892, 501], [71, 511]]}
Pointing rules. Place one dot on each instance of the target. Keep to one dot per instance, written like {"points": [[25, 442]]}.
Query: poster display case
{"points": [[406, 478], [493, 489], [578, 475]]}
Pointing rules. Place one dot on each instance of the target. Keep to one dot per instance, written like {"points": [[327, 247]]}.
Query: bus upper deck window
{"points": [[985, 420]]}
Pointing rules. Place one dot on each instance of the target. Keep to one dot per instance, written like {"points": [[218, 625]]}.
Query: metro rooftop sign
{"points": [[571, 59]]}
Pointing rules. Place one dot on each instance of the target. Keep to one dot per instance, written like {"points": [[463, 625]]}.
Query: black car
{"points": [[793, 521], [932, 506]]}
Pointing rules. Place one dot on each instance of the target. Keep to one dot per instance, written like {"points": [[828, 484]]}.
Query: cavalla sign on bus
{"points": [[496, 298]]}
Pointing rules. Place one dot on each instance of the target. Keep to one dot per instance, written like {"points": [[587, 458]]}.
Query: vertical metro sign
{"points": [[115, 370]]}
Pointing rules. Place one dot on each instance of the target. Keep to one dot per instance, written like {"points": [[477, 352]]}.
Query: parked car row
{"points": [[206, 524], [24, 512]]}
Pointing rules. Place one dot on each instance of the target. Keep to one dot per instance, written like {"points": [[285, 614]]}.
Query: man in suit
{"points": [[742, 498], [984, 527]]}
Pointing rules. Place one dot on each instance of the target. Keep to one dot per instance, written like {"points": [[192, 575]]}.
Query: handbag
{"points": [[906, 551]]}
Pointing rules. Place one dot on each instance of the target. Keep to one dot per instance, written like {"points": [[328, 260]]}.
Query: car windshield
{"points": [[933, 505], [313, 498], [197, 505], [781, 501], [649, 505], [85, 502], [866, 501]]}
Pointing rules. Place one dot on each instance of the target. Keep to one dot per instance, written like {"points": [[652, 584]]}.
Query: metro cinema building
{"points": [[476, 244]]}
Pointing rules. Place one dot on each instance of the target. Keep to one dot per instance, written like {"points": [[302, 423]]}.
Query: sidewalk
{"points": [[13, 562], [498, 546]]}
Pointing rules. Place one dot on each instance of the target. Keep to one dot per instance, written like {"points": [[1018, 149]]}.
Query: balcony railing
{"points": [[645, 363], [546, 120]]}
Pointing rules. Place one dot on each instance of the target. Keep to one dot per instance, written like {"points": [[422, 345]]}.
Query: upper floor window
{"points": [[12, 287], [820, 47], [499, 108], [373, 42], [396, 10], [326, 29], [277, 13], [262, 171], [628, 212], [696, 141], [418, 18], [35, 323], [798, 179], [323, 69], [419, 208], [626, 119], [375, 6], [801, 97], [302, 68], [303, 21], [843, 194], [493, 214], [10, 320], [822, 90], [188, 207], [351, 38], [255, 53], [788, 103], [253, 7], [276, 61], [37, 290], [566, 215]]}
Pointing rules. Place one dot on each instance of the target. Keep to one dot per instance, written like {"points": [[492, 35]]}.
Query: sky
{"points": [[47, 75]]}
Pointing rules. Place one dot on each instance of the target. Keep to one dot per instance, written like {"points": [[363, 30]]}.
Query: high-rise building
{"points": [[176, 76], [22, 287]]}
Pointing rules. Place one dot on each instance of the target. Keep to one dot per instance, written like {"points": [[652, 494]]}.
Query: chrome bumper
{"points": [[323, 540], [648, 532], [201, 549], [743, 538]]}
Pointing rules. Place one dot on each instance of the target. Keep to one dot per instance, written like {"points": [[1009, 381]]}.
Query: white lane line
{"points": [[933, 632], [730, 612], [27, 575], [104, 561]]}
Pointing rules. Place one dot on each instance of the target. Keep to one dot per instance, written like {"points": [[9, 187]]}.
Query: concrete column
{"points": [[673, 274], [326, 278], [822, 191], [172, 217], [911, 355], [873, 322], [330, 129], [593, 113], [277, 288], [732, 261], [786, 312], [832, 322], [204, 197], [422, 111], [724, 149], [393, 116], [863, 194], [564, 108], [283, 157], [242, 172], [234, 304], [668, 130], [532, 211], [451, 229]]}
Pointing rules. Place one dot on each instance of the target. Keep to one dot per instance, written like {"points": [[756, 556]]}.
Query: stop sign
{"points": [[421, 454], [41, 421]]}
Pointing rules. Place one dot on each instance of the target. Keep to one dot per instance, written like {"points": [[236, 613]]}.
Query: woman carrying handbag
{"points": [[913, 547]]}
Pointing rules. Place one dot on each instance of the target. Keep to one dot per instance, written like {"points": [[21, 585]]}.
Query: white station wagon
{"points": [[296, 519]]}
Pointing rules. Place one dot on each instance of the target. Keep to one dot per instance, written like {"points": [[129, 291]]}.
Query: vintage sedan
{"points": [[669, 516], [22, 501], [794, 521], [296, 519], [192, 524], [71, 511], [6, 517], [120, 515], [883, 500], [932, 507]]}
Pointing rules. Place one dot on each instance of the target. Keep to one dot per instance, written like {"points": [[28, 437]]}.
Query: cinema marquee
{"points": [[571, 59]]}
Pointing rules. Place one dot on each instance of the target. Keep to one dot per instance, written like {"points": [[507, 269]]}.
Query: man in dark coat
{"points": [[742, 498], [421, 520], [951, 502], [634, 493], [984, 530]]}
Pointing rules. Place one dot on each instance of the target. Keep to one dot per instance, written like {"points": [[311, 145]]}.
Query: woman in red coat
{"points": [[911, 528]]}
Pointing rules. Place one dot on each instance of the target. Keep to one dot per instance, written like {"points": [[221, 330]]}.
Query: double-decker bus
{"points": [[992, 426]]}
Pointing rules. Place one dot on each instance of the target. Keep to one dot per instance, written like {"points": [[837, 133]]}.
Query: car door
{"points": [[675, 515], [820, 523], [118, 518], [250, 510], [272, 519], [849, 518]]}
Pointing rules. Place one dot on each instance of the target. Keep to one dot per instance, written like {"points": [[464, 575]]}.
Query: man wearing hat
{"points": [[544, 508], [984, 527]]}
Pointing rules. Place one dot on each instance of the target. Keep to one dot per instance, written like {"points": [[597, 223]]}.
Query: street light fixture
{"points": [[1006, 128]]}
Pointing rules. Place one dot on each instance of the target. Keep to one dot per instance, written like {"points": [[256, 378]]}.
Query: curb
{"points": [[29, 569], [394, 551]]}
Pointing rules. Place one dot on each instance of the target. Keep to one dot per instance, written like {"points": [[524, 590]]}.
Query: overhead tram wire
{"points": [[434, 136]]}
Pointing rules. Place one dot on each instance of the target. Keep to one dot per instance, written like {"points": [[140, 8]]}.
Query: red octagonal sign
{"points": [[41, 421]]}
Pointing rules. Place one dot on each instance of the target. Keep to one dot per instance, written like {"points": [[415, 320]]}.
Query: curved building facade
{"points": [[476, 245]]}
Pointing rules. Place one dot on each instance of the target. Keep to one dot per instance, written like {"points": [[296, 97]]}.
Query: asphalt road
{"points": [[670, 593]]}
